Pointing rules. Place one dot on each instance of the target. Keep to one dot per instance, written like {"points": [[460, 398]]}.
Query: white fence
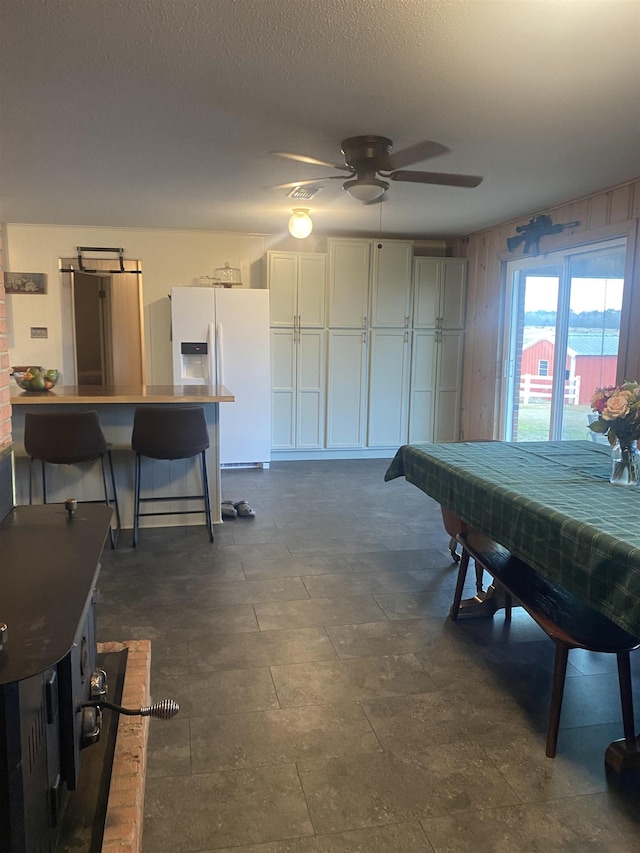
{"points": [[538, 388]]}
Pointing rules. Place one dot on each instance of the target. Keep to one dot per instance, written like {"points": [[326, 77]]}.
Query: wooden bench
{"points": [[564, 618]]}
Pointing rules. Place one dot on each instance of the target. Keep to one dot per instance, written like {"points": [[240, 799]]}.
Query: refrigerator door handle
{"points": [[212, 355], [219, 355]]}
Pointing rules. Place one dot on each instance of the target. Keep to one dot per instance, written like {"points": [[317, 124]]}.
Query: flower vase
{"points": [[624, 464]]}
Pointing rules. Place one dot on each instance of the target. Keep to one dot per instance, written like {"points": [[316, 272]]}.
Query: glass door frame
{"points": [[562, 258]]}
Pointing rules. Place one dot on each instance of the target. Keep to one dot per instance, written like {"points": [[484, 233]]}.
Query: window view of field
{"points": [[533, 423]]}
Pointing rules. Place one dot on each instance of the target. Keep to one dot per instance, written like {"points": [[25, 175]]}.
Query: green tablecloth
{"points": [[549, 503]]}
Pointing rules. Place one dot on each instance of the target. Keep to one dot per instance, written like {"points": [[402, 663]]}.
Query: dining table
{"points": [[551, 504]]}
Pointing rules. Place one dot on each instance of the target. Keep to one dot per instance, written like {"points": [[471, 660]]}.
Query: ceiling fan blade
{"points": [[415, 154], [292, 184], [302, 158], [436, 178]]}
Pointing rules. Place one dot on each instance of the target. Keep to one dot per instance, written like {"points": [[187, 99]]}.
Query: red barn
{"points": [[592, 359]]}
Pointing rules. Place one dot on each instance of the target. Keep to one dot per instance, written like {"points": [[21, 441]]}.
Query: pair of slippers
{"points": [[239, 509]]}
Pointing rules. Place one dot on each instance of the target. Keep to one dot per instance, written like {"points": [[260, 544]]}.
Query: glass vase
{"points": [[624, 464]]}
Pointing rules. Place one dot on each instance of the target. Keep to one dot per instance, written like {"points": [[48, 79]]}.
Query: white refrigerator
{"points": [[220, 336]]}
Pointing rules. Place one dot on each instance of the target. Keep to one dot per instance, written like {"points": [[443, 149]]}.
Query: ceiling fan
{"points": [[370, 165]]}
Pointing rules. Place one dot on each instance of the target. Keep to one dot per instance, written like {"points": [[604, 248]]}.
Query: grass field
{"points": [[533, 422]]}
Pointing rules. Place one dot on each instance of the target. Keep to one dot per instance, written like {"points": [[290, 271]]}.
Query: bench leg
{"points": [[462, 575], [559, 673], [626, 697]]}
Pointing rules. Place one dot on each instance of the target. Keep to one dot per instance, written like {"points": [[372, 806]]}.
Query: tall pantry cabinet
{"points": [[297, 284], [369, 358], [437, 348], [368, 350]]}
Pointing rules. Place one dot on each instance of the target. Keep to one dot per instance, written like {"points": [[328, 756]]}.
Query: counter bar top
{"points": [[123, 394]]}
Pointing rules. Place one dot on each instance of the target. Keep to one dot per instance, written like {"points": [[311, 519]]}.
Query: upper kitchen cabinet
{"points": [[439, 293], [349, 273], [297, 285], [391, 284]]}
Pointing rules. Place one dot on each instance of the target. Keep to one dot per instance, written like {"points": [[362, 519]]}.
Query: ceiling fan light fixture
{"points": [[300, 224], [366, 189]]}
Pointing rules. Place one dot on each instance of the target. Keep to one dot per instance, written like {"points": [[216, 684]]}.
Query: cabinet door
{"points": [[282, 282], [391, 287], [448, 382], [423, 380], [388, 380], [283, 389], [453, 293], [426, 292], [311, 386], [312, 273], [348, 283], [346, 388]]}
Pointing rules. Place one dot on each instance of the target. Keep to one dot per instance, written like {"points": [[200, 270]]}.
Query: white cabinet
{"points": [[437, 349], [363, 271], [369, 297], [448, 385], [346, 386], [349, 273], [423, 386], [297, 285], [388, 388], [297, 388], [439, 293], [376, 367], [391, 284]]}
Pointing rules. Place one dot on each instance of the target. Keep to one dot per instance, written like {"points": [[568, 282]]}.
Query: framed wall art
{"points": [[25, 282]]}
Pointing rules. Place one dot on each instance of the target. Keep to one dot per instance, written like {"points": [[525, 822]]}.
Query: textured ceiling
{"points": [[164, 113]]}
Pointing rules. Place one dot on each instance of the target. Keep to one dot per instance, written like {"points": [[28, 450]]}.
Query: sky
{"points": [[587, 294]]}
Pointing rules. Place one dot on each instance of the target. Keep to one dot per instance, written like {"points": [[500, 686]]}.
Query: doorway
{"points": [[563, 334], [106, 323]]}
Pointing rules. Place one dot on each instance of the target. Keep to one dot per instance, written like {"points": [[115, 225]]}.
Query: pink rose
{"points": [[617, 406]]}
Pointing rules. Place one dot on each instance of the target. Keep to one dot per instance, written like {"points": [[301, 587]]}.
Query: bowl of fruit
{"points": [[35, 378]]}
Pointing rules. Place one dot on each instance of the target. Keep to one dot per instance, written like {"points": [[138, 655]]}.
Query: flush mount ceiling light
{"points": [[300, 224], [366, 189]]}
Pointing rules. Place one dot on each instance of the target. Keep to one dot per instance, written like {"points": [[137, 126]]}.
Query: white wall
{"points": [[168, 258]]}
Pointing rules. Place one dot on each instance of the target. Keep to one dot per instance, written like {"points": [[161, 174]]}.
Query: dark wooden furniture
{"points": [[570, 623], [543, 502], [48, 573]]}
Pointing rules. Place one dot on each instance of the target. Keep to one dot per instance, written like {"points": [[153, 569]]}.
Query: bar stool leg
{"points": [[112, 536], [207, 501], [136, 501], [31, 461], [115, 493]]}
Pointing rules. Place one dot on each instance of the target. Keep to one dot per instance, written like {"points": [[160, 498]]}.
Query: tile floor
{"points": [[327, 703]]}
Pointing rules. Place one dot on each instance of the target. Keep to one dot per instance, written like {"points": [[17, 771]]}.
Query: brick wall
{"points": [[5, 407]]}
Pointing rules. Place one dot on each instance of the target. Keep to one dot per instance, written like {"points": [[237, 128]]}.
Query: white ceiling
{"points": [[164, 113]]}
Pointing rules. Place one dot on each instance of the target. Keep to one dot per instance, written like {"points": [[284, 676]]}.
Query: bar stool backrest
{"points": [[167, 432], [64, 437]]}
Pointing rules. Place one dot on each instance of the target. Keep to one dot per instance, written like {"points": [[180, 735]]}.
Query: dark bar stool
{"points": [[69, 438], [168, 432]]}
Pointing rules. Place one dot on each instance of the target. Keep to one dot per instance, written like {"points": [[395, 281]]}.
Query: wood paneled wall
{"points": [[612, 212]]}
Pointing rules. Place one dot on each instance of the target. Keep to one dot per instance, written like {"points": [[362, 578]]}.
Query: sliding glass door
{"points": [[563, 330]]}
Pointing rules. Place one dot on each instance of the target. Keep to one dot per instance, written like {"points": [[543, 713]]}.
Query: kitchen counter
{"points": [[116, 408], [122, 394]]}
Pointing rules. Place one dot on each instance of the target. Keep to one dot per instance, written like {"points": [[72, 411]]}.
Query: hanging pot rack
{"points": [[82, 268]]}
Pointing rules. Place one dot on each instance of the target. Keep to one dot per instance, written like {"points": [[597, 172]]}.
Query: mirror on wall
{"points": [[106, 324]]}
